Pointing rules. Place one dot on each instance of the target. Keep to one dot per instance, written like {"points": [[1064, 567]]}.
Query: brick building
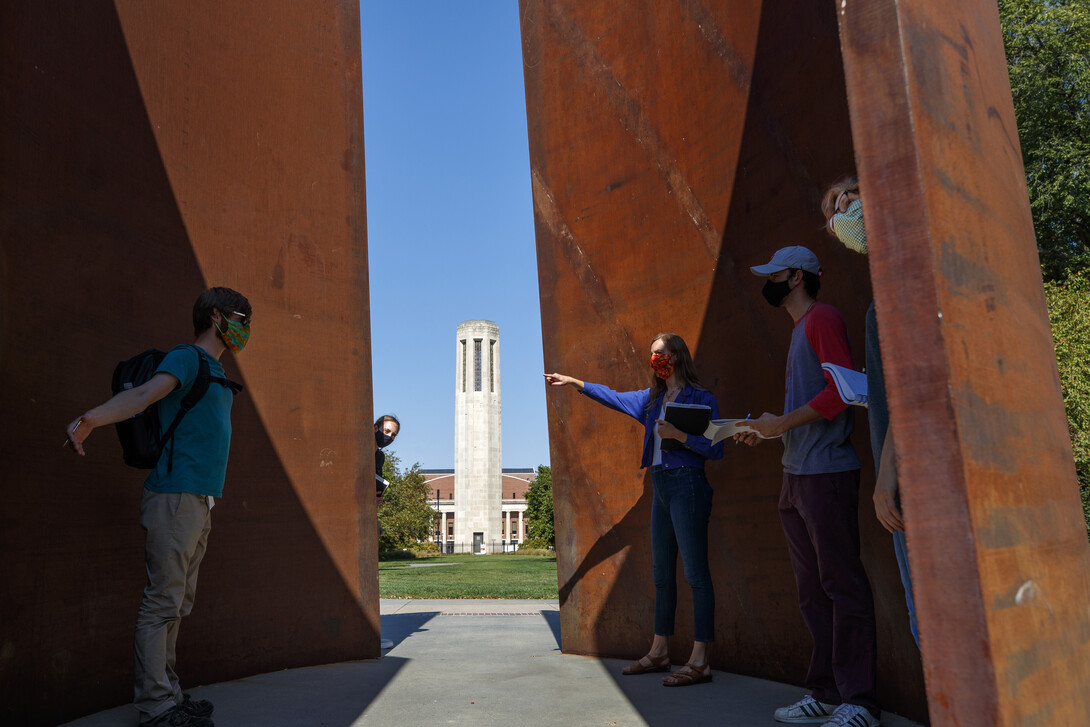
{"points": [[510, 529]]}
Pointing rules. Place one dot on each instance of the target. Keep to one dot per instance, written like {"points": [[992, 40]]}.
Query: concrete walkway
{"points": [[480, 663]]}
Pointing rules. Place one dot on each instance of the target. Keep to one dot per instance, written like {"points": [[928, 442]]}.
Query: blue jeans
{"points": [[900, 549], [679, 521]]}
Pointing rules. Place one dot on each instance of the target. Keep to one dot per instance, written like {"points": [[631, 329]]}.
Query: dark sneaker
{"points": [[196, 707], [175, 717]]}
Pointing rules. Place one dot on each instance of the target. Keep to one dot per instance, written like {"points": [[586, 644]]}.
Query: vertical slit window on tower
{"points": [[477, 364], [463, 366], [491, 366]]}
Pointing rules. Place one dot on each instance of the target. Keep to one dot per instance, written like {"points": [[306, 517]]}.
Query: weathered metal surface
{"points": [[147, 151], [672, 145], [997, 542]]}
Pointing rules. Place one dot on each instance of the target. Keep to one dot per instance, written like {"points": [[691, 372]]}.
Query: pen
{"points": [[746, 419], [66, 440]]}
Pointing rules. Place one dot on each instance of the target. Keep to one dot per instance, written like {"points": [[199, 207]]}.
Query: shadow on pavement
{"points": [[397, 627], [482, 666], [553, 619], [730, 699], [335, 695]]}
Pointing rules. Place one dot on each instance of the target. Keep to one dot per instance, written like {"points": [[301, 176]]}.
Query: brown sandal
{"points": [[689, 675], [637, 667]]}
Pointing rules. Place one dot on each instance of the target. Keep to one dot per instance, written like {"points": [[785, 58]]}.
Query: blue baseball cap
{"points": [[796, 256]]}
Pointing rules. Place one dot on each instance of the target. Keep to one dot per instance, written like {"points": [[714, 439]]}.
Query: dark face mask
{"points": [[774, 293], [382, 439]]}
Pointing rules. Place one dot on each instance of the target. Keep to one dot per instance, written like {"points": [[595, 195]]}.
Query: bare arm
{"points": [[122, 406], [885, 490], [772, 426], [562, 380]]}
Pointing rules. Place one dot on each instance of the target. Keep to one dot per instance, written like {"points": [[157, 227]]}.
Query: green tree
{"points": [[539, 510], [405, 515], [1048, 58], [1069, 314]]}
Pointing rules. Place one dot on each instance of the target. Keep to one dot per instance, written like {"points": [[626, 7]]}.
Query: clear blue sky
{"points": [[449, 217]]}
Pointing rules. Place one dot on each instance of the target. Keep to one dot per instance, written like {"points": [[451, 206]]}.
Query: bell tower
{"points": [[477, 445]]}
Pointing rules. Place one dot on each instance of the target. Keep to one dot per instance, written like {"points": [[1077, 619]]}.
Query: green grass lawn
{"points": [[469, 576]]}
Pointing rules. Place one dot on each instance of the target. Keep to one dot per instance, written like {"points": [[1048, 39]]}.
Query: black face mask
{"points": [[774, 293], [382, 439]]}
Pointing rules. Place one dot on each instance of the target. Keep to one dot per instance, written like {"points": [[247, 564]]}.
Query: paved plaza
{"points": [[485, 663]]}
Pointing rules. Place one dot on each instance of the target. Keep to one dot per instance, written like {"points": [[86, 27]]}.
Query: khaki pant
{"points": [[177, 526]]}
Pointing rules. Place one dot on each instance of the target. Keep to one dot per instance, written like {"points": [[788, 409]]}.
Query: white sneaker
{"points": [[805, 710], [852, 715]]}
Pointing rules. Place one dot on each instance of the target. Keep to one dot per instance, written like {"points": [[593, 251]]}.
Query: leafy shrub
{"points": [[527, 549], [399, 554], [1069, 315], [413, 551]]}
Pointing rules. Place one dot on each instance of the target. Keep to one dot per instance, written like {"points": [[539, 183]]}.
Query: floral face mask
{"points": [[662, 365], [235, 336]]}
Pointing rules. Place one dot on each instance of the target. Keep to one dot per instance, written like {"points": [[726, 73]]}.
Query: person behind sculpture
{"points": [[843, 210], [819, 501], [386, 429], [682, 500], [176, 506]]}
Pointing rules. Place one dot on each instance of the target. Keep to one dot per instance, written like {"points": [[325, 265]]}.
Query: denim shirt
{"points": [[634, 403]]}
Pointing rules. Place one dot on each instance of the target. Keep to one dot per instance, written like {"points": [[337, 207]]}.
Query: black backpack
{"points": [[141, 441]]}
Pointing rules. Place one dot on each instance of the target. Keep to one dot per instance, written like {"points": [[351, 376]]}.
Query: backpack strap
{"points": [[235, 387], [195, 393]]}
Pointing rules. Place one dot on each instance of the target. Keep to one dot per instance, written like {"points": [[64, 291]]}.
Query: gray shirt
{"points": [[823, 446]]}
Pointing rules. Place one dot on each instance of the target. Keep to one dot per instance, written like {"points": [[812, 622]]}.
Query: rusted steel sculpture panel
{"points": [[147, 151], [672, 146], [996, 539]]}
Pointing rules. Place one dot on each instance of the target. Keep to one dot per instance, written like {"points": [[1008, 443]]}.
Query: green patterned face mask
{"points": [[235, 336], [849, 229]]}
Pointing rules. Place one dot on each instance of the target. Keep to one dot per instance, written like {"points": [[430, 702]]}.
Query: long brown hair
{"points": [[832, 194], [683, 365]]}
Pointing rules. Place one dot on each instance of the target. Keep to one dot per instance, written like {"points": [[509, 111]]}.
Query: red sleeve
{"points": [[828, 336]]}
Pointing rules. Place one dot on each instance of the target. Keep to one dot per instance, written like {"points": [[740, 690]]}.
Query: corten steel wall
{"points": [[672, 146], [996, 535], [150, 150]]}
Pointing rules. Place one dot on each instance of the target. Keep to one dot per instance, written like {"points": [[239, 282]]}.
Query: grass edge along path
{"points": [[505, 575]]}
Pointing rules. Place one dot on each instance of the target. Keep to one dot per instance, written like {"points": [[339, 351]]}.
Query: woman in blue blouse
{"points": [[682, 500]]}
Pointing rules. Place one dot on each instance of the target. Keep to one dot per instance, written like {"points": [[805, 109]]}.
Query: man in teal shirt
{"points": [[179, 494]]}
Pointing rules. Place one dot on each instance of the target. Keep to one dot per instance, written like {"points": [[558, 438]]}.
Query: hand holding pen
{"points": [[738, 437], [75, 438]]}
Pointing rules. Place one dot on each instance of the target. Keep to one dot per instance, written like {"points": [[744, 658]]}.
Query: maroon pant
{"points": [[820, 516]]}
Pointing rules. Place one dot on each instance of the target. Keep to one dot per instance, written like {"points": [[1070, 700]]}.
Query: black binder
{"points": [[689, 418]]}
